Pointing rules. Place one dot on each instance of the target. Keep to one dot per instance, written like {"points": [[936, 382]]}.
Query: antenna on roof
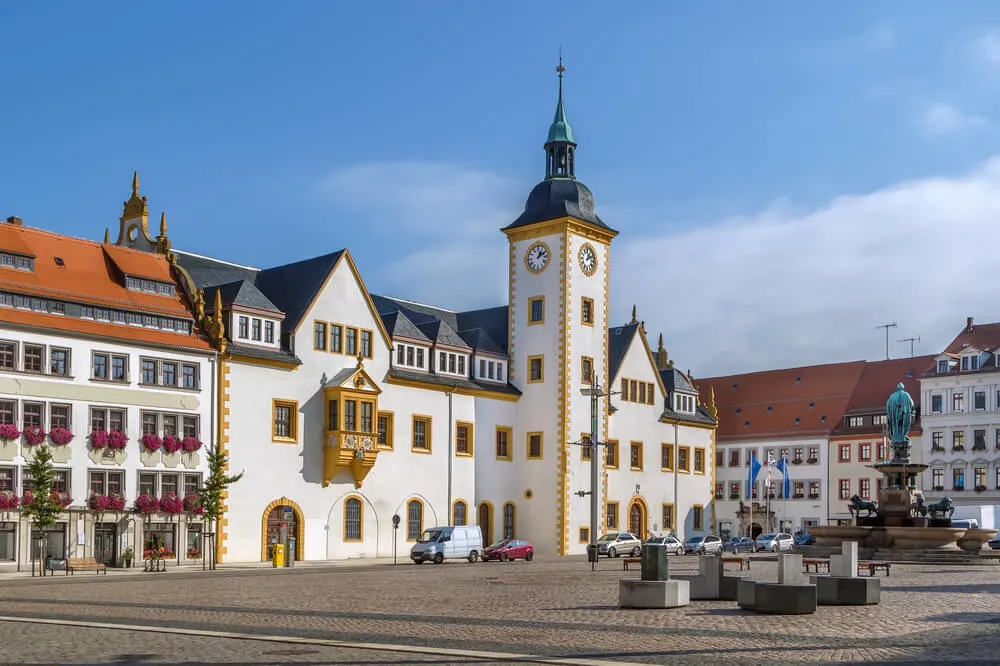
{"points": [[911, 341], [887, 327]]}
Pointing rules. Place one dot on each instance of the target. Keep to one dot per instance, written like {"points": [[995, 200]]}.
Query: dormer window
{"points": [[149, 286], [256, 330], [16, 261], [970, 362], [684, 403], [855, 421], [942, 367], [451, 363], [410, 356], [490, 370]]}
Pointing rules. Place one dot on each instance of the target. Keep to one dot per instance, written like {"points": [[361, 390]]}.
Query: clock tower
{"points": [[558, 334]]}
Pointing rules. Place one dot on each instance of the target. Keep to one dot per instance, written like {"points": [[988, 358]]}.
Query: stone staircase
{"points": [[927, 556]]}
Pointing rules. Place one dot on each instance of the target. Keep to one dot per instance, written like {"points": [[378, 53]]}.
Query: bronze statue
{"points": [[857, 505], [899, 409], [943, 506]]}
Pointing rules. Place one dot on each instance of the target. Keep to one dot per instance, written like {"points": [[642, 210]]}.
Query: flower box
{"points": [[192, 504], [813, 495], [812, 461], [734, 497], [798, 496], [171, 444], [99, 439], [60, 436], [33, 435], [796, 461], [151, 441], [170, 503], [191, 444], [9, 432], [146, 504], [9, 501], [958, 488], [117, 440], [106, 503], [938, 488], [980, 489], [958, 448], [193, 553]]}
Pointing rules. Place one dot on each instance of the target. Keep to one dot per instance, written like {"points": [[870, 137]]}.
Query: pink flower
{"points": [[63, 499], [192, 504], [116, 503], [146, 504], [152, 441], [60, 436], [117, 440], [9, 432], [99, 439], [171, 444], [98, 502], [33, 435], [191, 444], [170, 503], [28, 498], [9, 500]]}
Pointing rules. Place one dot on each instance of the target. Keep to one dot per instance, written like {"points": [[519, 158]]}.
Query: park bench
{"points": [[815, 563], [742, 561], [871, 567], [631, 560], [74, 564]]}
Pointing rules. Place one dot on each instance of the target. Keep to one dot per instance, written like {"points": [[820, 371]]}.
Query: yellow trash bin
{"points": [[278, 555]]}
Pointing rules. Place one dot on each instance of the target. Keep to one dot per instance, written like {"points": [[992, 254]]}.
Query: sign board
{"points": [[395, 520], [289, 514]]}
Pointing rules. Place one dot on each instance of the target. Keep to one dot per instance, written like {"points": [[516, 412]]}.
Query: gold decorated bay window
{"points": [[351, 434]]}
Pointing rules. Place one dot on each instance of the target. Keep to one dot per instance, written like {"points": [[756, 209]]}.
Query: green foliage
{"points": [[215, 486], [45, 508]]}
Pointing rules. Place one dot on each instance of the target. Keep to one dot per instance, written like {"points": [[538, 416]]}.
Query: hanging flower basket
{"points": [[99, 439], [9, 432], [9, 501], [171, 503], [191, 444], [171, 444], [28, 498], [152, 442], [60, 436], [116, 503], [98, 502], [33, 435], [117, 440], [192, 504], [146, 504], [63, 499]]}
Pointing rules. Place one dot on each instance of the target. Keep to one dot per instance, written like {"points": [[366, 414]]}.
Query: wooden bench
{"points": [[742, 561], [74, 564], [815, 563], [631, 560], [872, 567]]}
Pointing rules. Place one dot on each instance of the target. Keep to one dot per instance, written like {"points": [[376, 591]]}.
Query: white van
{"points": [[437, 544]]}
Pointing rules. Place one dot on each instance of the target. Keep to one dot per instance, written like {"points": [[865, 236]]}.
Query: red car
{"points": [[509, 549]]}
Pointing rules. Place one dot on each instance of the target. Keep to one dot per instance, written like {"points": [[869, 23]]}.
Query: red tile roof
{"points": [[794, 402], [984, 337], [879, 378]]}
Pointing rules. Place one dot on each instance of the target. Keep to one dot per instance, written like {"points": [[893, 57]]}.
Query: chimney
{"points": [[968, 325], [16, 221]]}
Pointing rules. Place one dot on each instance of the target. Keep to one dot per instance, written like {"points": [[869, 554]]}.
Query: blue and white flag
{"points": [[752, 474], [782, 467]]}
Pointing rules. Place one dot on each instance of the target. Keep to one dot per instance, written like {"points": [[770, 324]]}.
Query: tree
{"points": [[44, 507], [211, 494]]}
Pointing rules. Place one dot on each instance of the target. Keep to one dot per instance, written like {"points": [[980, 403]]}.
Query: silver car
{"points": [[613, 544], [671, 543], [774, 542], [703, 545]]}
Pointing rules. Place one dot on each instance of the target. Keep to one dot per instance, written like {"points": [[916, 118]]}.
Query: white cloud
{"points": [[987, 47], [779, 288], [943, 118]]}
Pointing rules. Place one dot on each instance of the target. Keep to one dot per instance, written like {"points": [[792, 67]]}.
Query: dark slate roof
{"points": [[293, 287], [442, 334], [452, 382], [619, 340], [554, 198], [399, 325], [462, 325], [700, 415], [242, 292], [208, 272], [280, 355], [481, 341], [675, 380]]}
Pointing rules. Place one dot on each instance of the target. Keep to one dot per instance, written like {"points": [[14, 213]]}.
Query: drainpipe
{"points": [[451, 433], [677, 456]]}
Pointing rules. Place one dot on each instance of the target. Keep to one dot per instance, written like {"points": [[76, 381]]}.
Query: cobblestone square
{"points": [[548, 612]]}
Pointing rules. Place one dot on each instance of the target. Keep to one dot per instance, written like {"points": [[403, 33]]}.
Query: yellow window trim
{"points": [[407, 518], [293, 423], [670, 508], [584, 377], [326, 334], [510, 440], [541, 376], [513, 521], [541, 445], [340, 328], [703, 461], [454, 505], [612, 444], [357, 340], [531, 301], [469, 440], [361, 518], [390, 435], [670, 448], [698, 526], [584, 535], [427, 433], [607, 514], [593, 314], [687, 459], [641, 455], [371, 342]]}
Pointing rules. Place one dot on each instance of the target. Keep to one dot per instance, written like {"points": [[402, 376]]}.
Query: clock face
{"points": [[588, 259], [537, 257]]}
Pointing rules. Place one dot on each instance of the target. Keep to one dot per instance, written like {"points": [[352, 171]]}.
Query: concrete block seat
{"points": [[847, 591]]}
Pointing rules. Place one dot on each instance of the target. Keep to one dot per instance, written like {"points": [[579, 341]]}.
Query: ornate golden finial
{"points": [[560, 67], [107, 236], [135, 183], [660, 346], [712, 409], [662, 359], [634, 318], [136, 205], [163, 225], [361, 360], [218, 304]]}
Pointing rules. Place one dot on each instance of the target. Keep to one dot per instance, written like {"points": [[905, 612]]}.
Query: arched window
{"points": [[352, 519], [459, 513], [508, 520], [414, 519]]}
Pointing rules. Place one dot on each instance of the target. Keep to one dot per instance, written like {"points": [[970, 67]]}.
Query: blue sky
{"points": [[409, 132]]}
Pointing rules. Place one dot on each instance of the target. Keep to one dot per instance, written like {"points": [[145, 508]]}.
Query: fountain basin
{"points": [[834, 535], [925, 538], [973, 540]]}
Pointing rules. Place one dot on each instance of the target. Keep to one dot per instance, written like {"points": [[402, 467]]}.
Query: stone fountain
{"points": [[900, 520]]}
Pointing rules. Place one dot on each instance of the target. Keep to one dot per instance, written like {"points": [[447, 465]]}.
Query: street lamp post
{"points": [[595, 392]]}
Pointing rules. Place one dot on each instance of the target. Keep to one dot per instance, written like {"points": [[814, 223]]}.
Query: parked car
{"points": [[739, 545], [703, 545], [437, 544], [613, 544], [967, 523], [775, 541], [805, 540], [672, 543], [994, 543], [509, 549]]}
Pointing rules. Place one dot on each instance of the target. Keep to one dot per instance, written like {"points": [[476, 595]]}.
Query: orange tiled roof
{"points": [[794, 402], [133, 334], [984, 337], [89, 272], [879, 378]]}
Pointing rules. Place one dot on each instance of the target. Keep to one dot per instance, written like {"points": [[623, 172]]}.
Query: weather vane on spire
{"points": [[560, 68]]}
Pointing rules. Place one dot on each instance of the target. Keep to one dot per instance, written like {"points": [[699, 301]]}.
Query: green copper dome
{"points": [[560, 130]]}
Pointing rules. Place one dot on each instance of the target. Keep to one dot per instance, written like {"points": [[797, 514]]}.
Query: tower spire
{"points": [[560, 148]]}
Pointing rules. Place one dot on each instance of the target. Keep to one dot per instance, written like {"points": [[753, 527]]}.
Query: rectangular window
{"points": [[668, 517], [451, 364], [59, 417], [150, 423], [119, 368], [683, 459], [612, 454], [699, 461], [463, 439], [979, 400], [244, 329], [585, 448], [401, 354], [351, 415], [642, 392], [734, 457], [667, 457], [169, 424], [34, 414], [635, 455], [698, 517], [814, 490], [100, 366], [813, 455], [255, 329], [584, 535], [979, 440], [336, 333], [586, 369], [958, 402], [937, 479], [421, 434], [333, 415], [958, 479], [864, 452], [536, 369], [319, 335], [59, 362], [269, 332], [147, 484], [189, 376], [936, 405], [284, 417], [8, 355], [844, 453], [855, 421], [148, 371], [385, 440], [865, 488], [798, 489], [168, 484], [587, 311], [611, 510], [366, 344], [880, 419], [845, 488], [8, 412], [482, 368], [536, 310], [503, 443], [958, 440], [189, 426], [720, 491], [534, 446], [169, 372], [979, 478], [937, 441], [352, 342], [34, 358], [367, 413]]}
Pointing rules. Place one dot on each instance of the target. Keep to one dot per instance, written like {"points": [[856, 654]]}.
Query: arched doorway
{"points": [[485, 522], [637, 519], [755, 531], [282, 514]]}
